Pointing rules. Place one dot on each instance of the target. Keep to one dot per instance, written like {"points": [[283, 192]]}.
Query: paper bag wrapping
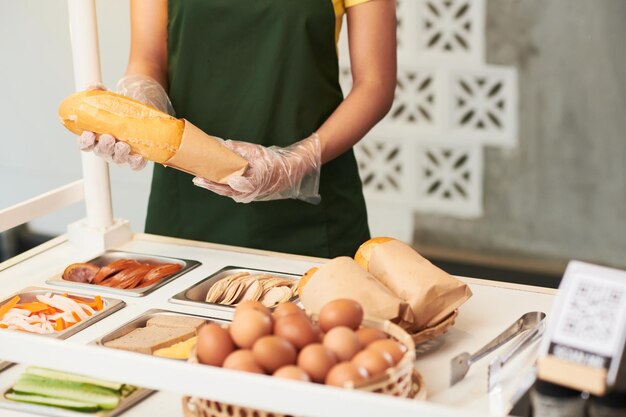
{"points": [[343, 278], [431, 293], [203, 155]]}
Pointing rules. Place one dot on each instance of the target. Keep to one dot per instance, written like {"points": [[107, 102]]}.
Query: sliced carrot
{"points": [[3, 326], [99, 305], [59, 324], [34, 307], [87, 311], [96, 303], [75, 316], [4, 309]]}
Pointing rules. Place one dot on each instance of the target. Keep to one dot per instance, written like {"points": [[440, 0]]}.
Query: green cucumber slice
{"points": [[54, 402], [31, 384], [62, 376]]}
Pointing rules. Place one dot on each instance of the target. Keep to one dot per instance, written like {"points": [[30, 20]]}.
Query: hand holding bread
{"points": [[274, 173], [151, 133], [138, 87]]}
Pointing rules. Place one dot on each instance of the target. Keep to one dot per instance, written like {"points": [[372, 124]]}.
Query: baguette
{"points": [[155, 135]]}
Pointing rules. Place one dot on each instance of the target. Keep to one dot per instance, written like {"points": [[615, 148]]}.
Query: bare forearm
{"points": [[148, 40], [372, 37], [364, 107]]}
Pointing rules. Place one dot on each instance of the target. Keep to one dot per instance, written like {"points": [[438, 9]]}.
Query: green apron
{"points": [[261, 71]]}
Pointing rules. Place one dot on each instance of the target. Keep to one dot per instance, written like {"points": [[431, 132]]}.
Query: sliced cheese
{"points": [[180, 350]]}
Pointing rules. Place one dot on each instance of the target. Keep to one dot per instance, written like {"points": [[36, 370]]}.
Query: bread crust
{"points": [[149, 132]]}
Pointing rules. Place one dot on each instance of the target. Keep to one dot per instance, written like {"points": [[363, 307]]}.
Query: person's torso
{"points": [[263, 71]]}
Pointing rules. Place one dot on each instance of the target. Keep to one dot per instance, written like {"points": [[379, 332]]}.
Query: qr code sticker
{"points": [[591, 315]]}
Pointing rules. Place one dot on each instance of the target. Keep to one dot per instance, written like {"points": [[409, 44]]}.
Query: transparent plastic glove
{"points": [[273, 173], [138, 87], [146, 90]]}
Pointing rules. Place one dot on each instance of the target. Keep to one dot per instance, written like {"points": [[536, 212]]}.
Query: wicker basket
{"points": [[401, 380], [437, 330], [194, 407]]}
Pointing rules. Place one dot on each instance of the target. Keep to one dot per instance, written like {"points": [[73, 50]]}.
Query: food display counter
{"points": [[493, 307]]}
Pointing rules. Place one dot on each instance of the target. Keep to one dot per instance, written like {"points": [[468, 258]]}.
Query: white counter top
{"points": [[493, 307]]}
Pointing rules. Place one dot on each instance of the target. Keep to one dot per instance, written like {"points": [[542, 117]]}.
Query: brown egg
{"points": [[320, 332], [345, 372], [287, 309], [343, 342], [341, 312], [238, 356], [297, 329], [214, 344], [393, 347], [242, 360], [249, 326], [368, 335], [292, 372], [273, 352], [375, 362], [316, 361], [251, 305]]}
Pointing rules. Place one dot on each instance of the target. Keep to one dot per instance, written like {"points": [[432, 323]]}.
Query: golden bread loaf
{"points": [[363, 254], [153, 134], [149, 132]]}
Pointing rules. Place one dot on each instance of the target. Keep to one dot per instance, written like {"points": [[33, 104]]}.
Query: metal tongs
{"points": [[496, 364], [533, 321]]}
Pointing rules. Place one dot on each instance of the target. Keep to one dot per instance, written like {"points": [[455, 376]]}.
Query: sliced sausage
{"points": [[106, 272], [129, 277], [80, 272], [158, 273]]}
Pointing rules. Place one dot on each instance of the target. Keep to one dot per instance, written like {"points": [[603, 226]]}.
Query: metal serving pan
{"points": [[110, 306], [125, 403], [110, 256], [140, 321], [196, 295]]}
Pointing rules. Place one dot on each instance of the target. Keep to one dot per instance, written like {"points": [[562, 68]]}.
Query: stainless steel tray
{"points": [[110, 256], [196, 295], [110, 306], [141, 321], [125, 403]]}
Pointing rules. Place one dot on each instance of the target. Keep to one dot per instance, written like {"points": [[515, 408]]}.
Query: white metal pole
{"points": [[86, 60]]}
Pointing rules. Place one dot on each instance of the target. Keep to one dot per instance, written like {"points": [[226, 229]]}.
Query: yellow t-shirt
{"points": [[340, 9]]}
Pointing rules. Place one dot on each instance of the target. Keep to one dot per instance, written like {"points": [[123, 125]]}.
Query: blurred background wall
{"points": [[559, 194], [35, 75]]}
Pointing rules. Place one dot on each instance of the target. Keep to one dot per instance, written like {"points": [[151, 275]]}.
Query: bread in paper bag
{"points": [[155, 135], [343, 278], [431, 293]]}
